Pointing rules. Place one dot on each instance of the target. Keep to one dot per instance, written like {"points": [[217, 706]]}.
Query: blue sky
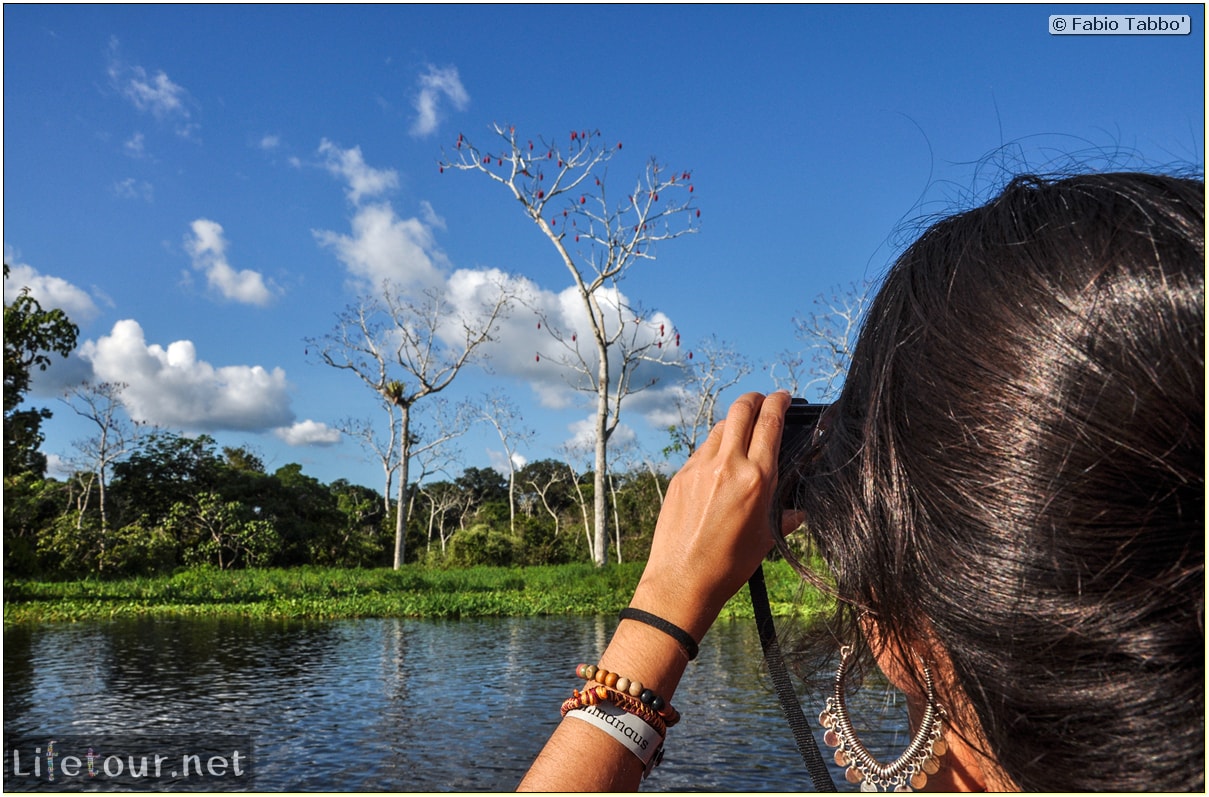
{"points": [[181, 179]]}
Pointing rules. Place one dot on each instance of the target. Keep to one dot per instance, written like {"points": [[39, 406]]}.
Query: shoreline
{"points": [[334, 593]]}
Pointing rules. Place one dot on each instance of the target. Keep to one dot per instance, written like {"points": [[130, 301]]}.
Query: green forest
{"points": [[170, 500], [178, 500]]}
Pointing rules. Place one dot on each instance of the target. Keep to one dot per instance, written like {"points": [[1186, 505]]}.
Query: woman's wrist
{"points": [[645, 654], [672, 598]]}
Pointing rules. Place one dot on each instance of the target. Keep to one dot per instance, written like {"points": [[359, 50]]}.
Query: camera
{"points": [[800, 433]]}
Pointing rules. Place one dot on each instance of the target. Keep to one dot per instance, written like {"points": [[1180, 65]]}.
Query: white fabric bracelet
{"points": [[634, 734]]}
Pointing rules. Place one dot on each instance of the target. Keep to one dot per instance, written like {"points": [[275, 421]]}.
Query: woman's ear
{"points": [[965, 767]]}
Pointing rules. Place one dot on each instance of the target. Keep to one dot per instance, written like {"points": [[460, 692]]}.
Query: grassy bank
{"points": [[331, 593]]}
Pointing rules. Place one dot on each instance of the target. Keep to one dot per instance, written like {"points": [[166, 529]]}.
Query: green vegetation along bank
{"points": [[338, 593]]}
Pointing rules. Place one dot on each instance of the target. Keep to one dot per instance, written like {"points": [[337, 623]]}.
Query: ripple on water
{"points": [[393, 704]]}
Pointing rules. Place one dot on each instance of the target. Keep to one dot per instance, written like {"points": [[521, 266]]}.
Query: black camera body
{"points": [[801, 422]]}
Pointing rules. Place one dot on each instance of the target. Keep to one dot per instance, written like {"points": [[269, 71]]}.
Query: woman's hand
{"points": [[712, 534], [713, 530]]}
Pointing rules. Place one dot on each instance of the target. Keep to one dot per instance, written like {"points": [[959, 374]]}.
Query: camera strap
{"points": [[807, 747]]}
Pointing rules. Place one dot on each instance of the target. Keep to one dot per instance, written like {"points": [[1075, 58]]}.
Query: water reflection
{"points": [[391, 704]]}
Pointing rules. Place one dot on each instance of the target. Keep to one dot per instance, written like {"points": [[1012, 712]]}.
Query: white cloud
{"points": [[583, 435], [308, 433], [269, 142], [135, 146], [207, 246], [130, 188], [51, 292], [662, 412], [172, 387], [470, 292], [526, 350], [363, 180], [156, 93], [498, 461], [437, 85], [383, 246], [57, 467], [430, 216]]}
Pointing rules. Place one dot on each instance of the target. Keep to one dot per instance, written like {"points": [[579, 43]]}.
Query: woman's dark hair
{"points": [[1014, 472]]}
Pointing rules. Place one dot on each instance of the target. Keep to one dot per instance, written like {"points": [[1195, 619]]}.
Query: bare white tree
{"points": [[628, 459], [652, 469], [715, 367], [561, 189], [434, 451], [441, 498], [406, 350], [547, 478], [101, 404], [571, 455], [385, 448], [502, 413], [829, 334]]}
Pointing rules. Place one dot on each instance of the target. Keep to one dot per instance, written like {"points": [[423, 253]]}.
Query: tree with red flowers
{"points": [[598, 237]]}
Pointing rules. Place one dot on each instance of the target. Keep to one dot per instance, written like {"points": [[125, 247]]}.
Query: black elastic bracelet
{"points": [[675, 632]]}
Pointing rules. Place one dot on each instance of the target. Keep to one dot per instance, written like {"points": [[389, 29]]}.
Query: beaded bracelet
{"points": [[629, 688], [668, 715], [594, 694]]}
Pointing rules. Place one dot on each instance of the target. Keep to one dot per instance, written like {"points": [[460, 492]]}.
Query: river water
{"points": [[370, 705]]}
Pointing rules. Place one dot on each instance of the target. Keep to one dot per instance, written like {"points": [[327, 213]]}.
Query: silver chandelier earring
{"points": [[907, 772]]}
